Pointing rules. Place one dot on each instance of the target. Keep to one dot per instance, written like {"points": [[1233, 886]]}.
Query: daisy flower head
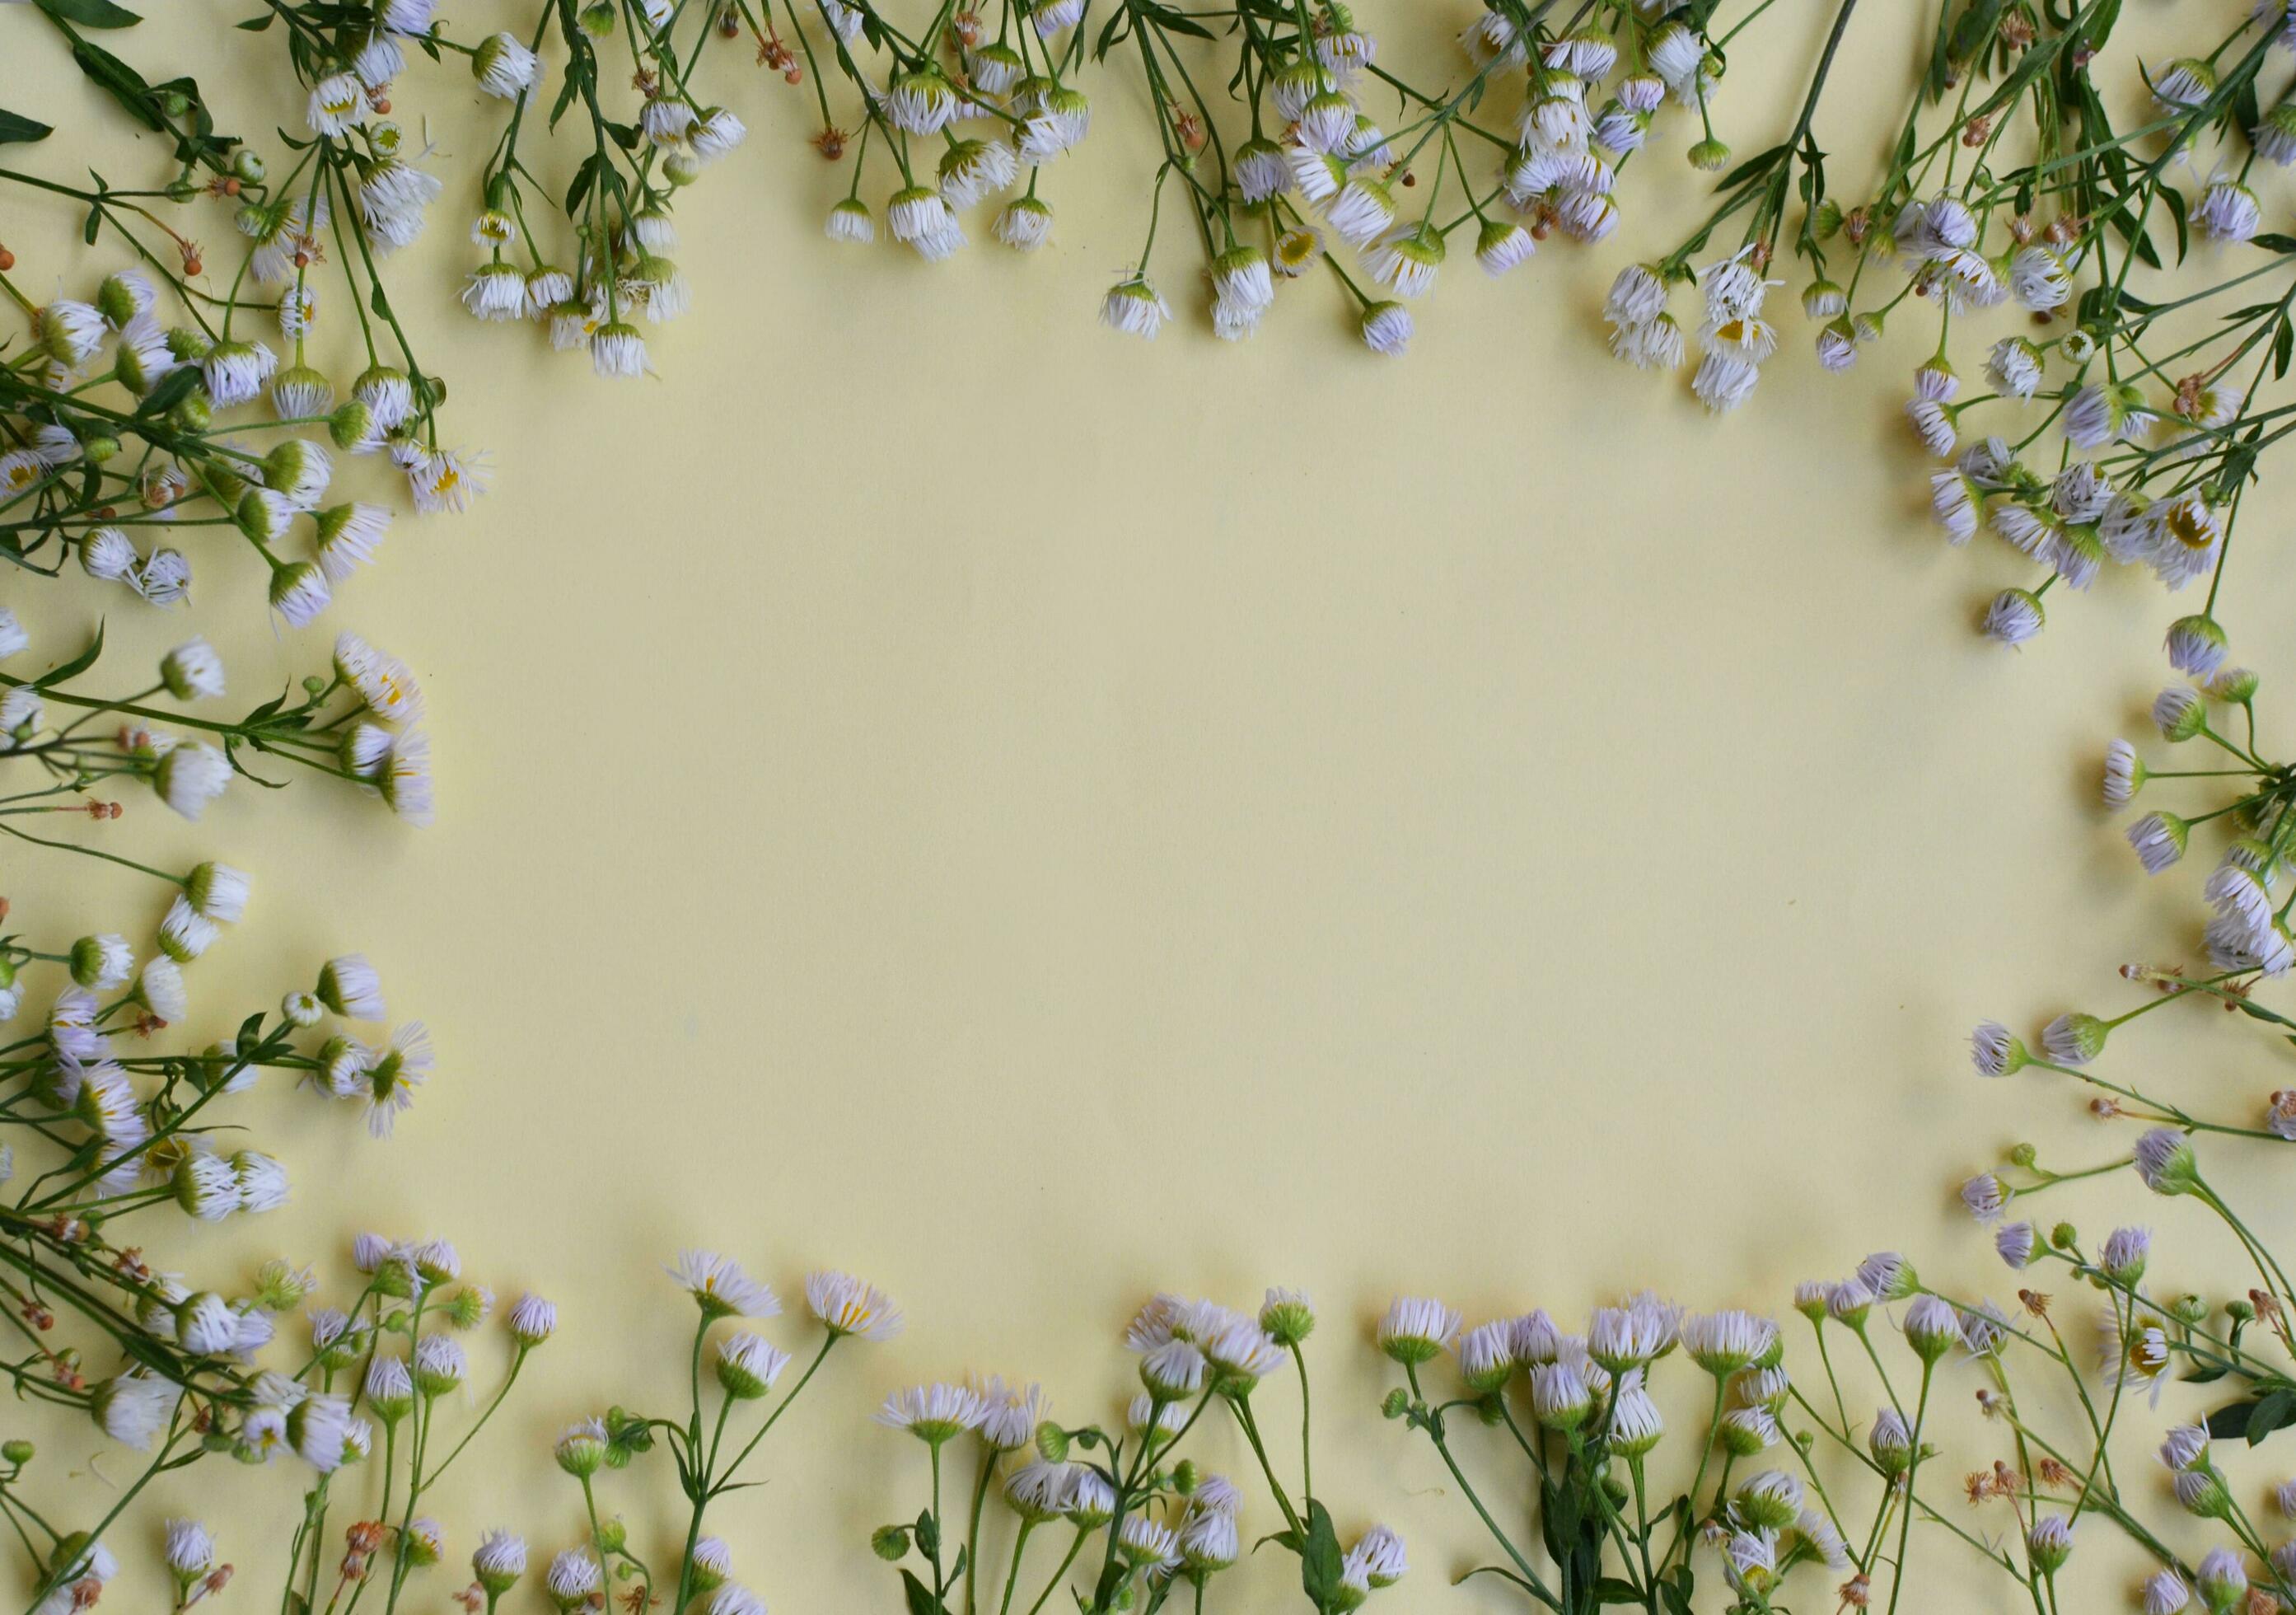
{"points": [[133, 1407], [1386, 329], [2013, 617], [503, 66], [189, 1549], [1415, 1330], [748, 1366], [70, 332], [1173, 1371], [1635, 1424], [1724, 1343], [582, 1449], [1010, 1414], [387, 1084], [935, 1415], [1407, 259], [1288, 1315], [2016, 1244], [445, 480], [849, 1306], [1132, 306], [190, 776], [850, 221], [531, 1320], [1208, 1541], [299, 590], [1038, 1491], [720, 1289], [2164, 1159], [1024, 224], [572, 1580], [499, 1561], [1487, 1357]]}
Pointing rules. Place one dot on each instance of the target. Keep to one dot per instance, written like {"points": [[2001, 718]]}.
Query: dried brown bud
{"points": [[2034, 1302], [829, 143]]}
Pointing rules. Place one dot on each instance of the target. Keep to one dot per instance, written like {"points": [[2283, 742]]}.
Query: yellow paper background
{"points": [[930, 786]]}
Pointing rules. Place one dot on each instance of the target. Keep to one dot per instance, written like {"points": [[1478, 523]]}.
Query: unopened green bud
{"points": [[889, 1543], [351, 424]]}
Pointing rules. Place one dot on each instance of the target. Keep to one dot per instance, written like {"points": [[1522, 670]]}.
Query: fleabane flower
{"points": [[720, 1287], [847, 1306], [1415, 1330], [503, 67], [935, 1415], [1132, 306]]}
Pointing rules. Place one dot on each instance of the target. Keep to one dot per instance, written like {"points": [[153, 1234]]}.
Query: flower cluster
{"points": [[1578, 1412], [1139, 1520], [359, 722], [2120, 417], [176, 396], [708, 1452]]}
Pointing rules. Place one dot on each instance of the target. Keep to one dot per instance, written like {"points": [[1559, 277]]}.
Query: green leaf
{"points": [[1754, 167], [17, 129], [580, 187], [1320, 1558], [2255, 1420], [174, 388], [90, 13], [919, 1596], [119, 81], [1677, 1591], [1611, 1589], [256, 25], [2276, 1411], [76, 666]]}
